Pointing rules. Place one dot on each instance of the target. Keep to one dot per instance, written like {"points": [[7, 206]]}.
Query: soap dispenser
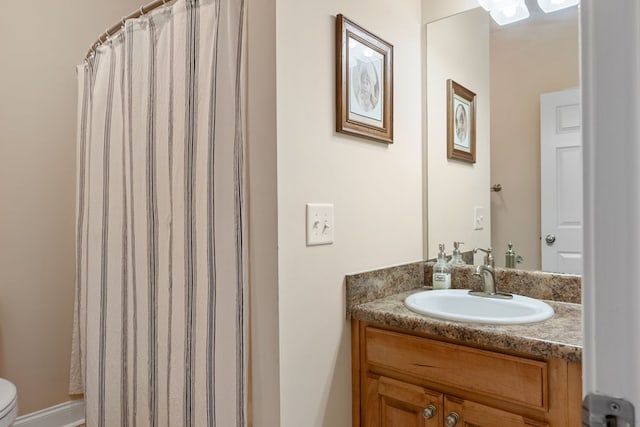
{"points": [[456, 256], [441, 271], [511, 258]]}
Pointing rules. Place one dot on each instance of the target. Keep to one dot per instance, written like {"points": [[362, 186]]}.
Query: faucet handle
{"points": [[488, 258]]}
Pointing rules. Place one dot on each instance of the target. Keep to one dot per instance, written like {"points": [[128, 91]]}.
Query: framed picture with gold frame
{"points": [[461, 123], [364, 83]]}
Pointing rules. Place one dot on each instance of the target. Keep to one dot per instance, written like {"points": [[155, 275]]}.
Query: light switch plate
{"points": [[319, 224], [478, 218]]}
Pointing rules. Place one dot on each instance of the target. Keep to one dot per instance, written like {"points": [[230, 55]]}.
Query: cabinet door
{"points": [[393, 403], [471, 414]]}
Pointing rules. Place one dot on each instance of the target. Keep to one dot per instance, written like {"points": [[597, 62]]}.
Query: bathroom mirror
{"points": [[508, 68]]}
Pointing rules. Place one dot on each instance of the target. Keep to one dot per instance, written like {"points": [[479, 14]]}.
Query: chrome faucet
{"points": [[487, 272]]}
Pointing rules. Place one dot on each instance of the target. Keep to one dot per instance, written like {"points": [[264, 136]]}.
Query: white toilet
{"points": [[8, 403]]}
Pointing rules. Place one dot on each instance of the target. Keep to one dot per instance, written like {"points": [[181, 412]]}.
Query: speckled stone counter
{"points": [[533, 284], [378, 297]]}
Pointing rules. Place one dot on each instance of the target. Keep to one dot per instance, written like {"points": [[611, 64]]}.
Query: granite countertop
{"points": [[372, 298]]}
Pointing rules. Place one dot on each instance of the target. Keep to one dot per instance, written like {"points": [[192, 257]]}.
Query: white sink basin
{"points": [[457, 304]]}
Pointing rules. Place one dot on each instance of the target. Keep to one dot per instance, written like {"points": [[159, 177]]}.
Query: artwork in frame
{"points": [[364, 83], [461, 122]]}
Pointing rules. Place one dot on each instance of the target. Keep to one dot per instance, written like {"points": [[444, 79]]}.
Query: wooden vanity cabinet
{"points": [[404, 379], [396, 403], [472, 414]]}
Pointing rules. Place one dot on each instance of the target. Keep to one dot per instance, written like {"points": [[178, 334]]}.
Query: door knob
{"points": [[451, 420], [550, 239], [429, 412]]}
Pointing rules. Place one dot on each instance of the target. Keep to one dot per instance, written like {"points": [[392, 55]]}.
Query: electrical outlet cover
{"points": [[319, 224], [478, 218]]}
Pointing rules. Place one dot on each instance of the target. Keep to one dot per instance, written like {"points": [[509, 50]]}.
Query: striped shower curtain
{"points": [[160, 326]]}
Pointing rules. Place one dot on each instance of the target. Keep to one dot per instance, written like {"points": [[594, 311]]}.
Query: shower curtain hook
{"points": [[123, 23], [141, 10]]}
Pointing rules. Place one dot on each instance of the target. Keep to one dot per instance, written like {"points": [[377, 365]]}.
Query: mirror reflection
{"points": [[528, 147]]}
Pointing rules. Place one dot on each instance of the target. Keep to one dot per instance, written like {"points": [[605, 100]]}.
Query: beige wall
{"points": [[457, 48], [263, 215], [40, 44], [375, 188], [432, 10], [527, 59]]}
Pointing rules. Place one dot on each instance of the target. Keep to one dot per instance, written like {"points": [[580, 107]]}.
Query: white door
{"points": [[610, 46], [561, 181]]}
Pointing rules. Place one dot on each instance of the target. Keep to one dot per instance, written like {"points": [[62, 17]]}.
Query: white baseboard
{"points": [[68, 414]]}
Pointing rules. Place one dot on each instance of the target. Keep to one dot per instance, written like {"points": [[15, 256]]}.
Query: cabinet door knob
{"points": [[429, 412], [452, 419], [550, 239]]}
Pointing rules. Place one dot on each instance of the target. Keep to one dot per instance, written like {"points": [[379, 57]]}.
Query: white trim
{"points": [[611, 106], [68, 414]]}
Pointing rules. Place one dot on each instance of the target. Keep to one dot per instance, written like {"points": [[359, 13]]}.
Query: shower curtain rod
{"points": [[118, 26]]}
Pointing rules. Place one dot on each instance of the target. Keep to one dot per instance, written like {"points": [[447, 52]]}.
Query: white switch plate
{"points": [[478, 218], [319, 224]]}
